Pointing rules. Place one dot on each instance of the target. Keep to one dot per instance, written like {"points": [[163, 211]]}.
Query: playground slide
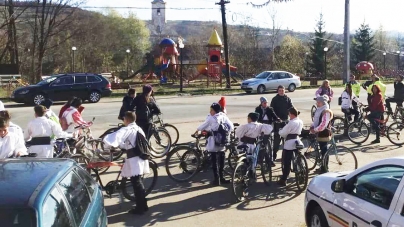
{"points": [[157, 70]]}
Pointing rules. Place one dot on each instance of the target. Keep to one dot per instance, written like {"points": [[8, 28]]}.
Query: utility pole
{"points": [[347, 43], [222, 4]]}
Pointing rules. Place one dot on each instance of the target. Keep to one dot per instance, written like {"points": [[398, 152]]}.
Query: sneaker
{"points": [[375, 141]]}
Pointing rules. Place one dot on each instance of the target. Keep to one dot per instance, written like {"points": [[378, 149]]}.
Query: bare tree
{"points": [[274, 36]]}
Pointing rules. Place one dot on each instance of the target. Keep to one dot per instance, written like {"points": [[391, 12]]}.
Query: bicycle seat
{"points": [[242, 147], [299, 147], [236, 124]]}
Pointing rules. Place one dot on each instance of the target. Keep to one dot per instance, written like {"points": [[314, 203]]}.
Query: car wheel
{"points": [[292, 87], [261, 89], [95, 96], [317, 218], [38, 99]]}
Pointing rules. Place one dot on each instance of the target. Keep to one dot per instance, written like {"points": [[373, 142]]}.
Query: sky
{"points": [[297, 15]]}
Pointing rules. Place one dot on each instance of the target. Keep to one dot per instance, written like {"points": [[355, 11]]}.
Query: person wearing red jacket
{"points": [[376, 109], [222, 103]]}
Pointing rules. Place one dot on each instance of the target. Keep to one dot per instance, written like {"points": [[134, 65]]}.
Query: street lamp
{"points": [[307, 63], [127, 63], [398, 60], [384, 60], [73, 50], [325, 62], [181, 46]]}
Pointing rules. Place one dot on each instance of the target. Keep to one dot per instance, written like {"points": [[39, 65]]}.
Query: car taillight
{"points": [[108, 86]]}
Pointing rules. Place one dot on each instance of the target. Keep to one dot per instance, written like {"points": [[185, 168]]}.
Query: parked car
{"points": [[270, 80], [372, 195], [61, 87], [49, 192]]}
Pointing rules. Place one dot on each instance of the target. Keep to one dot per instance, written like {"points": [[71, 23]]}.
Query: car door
{"points": [[369, 198], [270, 81], [80, 88], [282, 79], [397, 219], [61, 88]]}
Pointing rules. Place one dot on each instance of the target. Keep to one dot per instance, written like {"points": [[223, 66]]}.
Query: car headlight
{"points": [[253, 83], [23, 92]]}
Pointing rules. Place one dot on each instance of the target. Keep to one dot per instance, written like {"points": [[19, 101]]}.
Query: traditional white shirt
{"points": [[11, 144], [212, 124], [73, 118], [16, 130], [42, 127], [294, 126], [125, 138], [253, 130]]}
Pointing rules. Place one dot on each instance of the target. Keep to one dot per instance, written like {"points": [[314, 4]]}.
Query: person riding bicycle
{"points": [[325, 89], [134, 167], [212, 123], [347, 107], [322, 125], [127, 103], [72, 118], [266, 113], [281, 103], [39, 132], [398, 94], [67, 105], [249, 132], [355, 85], [47, 103], [145, 108], [376, 109], [222, 103], [290, 133], [11, 145], [375, 81]]}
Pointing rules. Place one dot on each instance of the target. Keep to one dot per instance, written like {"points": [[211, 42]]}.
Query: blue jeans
{"points": [[372, 118]]}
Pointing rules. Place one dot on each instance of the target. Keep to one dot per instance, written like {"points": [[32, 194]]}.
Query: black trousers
{"points": [[287, 156], [140, 193], [353, 111], [394, 100], [145, 126], [217, 159], [277, 138]]}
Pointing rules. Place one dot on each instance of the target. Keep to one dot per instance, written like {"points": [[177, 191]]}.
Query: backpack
{"points": [[221, 135], [141, 149]]}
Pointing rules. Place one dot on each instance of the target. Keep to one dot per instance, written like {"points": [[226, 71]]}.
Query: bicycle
{"points": [[359, 132], [123, 185], [398, 113], [300, 168], [171, 129], [334, 160], [189, 159], [245, 172]]}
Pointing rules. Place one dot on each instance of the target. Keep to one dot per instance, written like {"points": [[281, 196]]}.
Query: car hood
{"points": [[252, 80], [321, 184]]}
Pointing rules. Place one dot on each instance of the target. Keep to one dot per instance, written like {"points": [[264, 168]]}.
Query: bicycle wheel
{"points": [[149, 181], [240, 181], [182, 163], [116, 152], [311, 153], [394, 133], [232, 158], [82, 161], [313, 111], [358, 132], [301, 172], [339, 158], [266, 167], [173, 132], [160, 143], [338, 126]]}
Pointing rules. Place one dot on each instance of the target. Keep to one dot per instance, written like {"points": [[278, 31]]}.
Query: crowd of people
{"points": [[279, 116]]}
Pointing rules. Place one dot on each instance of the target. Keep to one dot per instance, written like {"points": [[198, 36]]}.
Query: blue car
{"points": [[49, 192]]}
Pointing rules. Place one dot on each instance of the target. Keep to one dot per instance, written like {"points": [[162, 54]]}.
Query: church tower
{"points": [[158, 15]]}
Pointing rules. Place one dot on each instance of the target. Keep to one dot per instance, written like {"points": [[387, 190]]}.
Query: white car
{"points": [[372, 195], [270, 80]]}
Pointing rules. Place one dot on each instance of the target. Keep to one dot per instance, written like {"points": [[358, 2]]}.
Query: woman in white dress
{"points": [[134, 167]]}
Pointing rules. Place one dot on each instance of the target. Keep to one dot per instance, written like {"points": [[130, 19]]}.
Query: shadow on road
{"points": [[371, 148]]}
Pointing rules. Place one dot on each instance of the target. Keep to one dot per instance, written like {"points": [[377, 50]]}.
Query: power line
{"points": [[108, 7]]}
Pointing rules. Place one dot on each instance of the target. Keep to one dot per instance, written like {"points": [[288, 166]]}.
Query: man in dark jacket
{"points": [[398, 94], [266, 113], [127, 103], [281, 103]]}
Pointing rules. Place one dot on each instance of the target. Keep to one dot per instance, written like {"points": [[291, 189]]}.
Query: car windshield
{"points": [[47, 80], [17, 217], [262, 75]]}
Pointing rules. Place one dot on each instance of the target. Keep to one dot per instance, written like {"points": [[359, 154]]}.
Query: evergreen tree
{"points": [[363, 45], [316, 55]]}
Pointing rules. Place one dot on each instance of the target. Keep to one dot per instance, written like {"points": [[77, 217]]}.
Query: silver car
{"points": [[270, 80]]}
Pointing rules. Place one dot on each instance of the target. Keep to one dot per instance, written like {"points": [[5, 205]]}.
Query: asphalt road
{"points": [[197, 203]]}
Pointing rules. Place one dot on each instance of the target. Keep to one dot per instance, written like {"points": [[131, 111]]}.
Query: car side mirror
{"points": [[338, 186]]}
